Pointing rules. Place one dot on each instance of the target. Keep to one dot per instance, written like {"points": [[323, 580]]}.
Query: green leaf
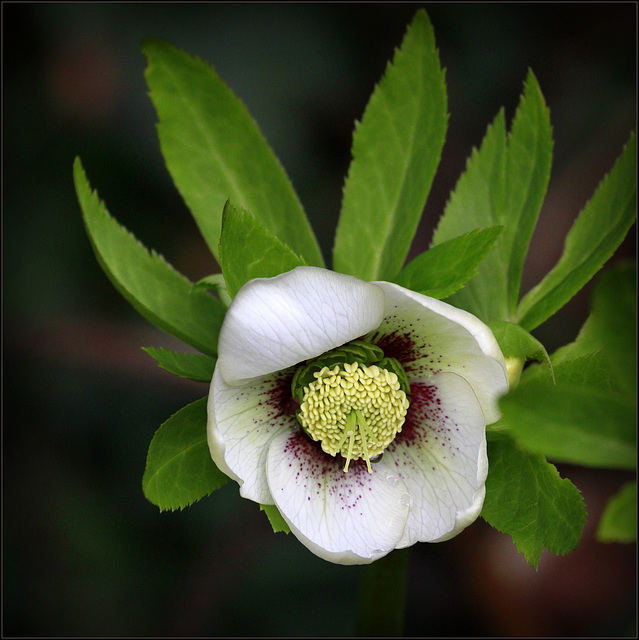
{"points": [[528, 166], [615, 322], [527, 499], [447, 267], [504, 184], [573, 423], [275, 518], [589, 371], [186, 365], [586, 343], [249, 250], [475, 203], [179, 469], [619, 520], [516, 342], [590, 417], [214, 151], [598, 231], [215, 281], [156, 290], [396, 150]]}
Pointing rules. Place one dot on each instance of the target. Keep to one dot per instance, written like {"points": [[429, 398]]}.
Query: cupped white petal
{"points": [[466, 517], [345, 517], [274, 323], [429, 336], [242, 422], [440, 456]]}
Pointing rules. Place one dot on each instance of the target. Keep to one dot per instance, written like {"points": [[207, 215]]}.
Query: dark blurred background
{"points": [[84, 553]]}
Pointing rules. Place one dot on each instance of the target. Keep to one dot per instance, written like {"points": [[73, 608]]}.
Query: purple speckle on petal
{"points": [[318, 469]]}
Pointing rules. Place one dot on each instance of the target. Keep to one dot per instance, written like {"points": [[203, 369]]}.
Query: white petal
{"points": [[467, 516], [428, 336], [274, 323], [345, 517], [440, 455], [242, 421]]}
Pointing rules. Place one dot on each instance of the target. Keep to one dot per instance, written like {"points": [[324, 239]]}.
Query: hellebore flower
{"points": [[358, 409]]}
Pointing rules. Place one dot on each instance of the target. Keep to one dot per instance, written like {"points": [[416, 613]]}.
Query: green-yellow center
{"points": [[354, 410]]}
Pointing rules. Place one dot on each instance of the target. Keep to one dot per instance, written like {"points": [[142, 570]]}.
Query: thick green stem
{"points": [[382, 589]]}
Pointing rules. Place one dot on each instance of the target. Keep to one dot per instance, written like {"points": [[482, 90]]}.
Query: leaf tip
{"points": [[150, 44], [79, 175]]}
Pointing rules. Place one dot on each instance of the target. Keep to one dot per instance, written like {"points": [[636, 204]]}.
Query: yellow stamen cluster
{"points": [[354, 410]]}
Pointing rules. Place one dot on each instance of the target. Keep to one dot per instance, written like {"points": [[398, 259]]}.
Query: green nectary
{"points": [[360, 351]]}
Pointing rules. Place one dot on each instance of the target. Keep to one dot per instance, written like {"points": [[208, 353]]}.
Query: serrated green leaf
{"points": [[504, 184], [396, 150], [179, 469], [618, 522], [618, 308], [516, 342], [156, 290], [586, 343], [215, 281], [249, 250], [589, 371], [530, 147], [475, 203], [275, 518], [615, 322], [527, 499], [186, 365], [598, 231], [214, 151], [447, 267], [573, 423], [590, 417]]}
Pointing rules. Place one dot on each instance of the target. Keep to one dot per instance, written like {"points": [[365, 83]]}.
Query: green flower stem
{"points": [[382, 589]]}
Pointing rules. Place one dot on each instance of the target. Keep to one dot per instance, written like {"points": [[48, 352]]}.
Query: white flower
{"points": [[359, 458]]}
